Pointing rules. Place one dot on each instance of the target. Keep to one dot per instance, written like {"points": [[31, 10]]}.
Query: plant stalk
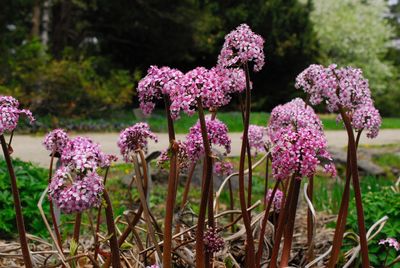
{"points": [[115, 258]]}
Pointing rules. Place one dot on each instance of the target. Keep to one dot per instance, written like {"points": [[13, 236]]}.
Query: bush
{"points": [[31, 181], [63, 87], [376, 205]]}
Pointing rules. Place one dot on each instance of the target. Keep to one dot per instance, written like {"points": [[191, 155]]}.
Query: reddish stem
{"points": [[187, 185], [287, 244], [200, 256], [115, 259], [53, 216], [250, 254], [172, 180], [77, 226], [17, 205], [357, 189], [264, 225]]}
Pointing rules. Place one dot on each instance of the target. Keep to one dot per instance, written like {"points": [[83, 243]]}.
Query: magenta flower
{"points": [[81, 154], [134, 138], [196, 84], [217, 134], [299, 144], [277, 201], [9, 114], [257, 138], [391, 242], [223, 168], [242, 45], [76, 193], [157, 82], [213, 242], [367, 117], [232, 80], [56, 140]]}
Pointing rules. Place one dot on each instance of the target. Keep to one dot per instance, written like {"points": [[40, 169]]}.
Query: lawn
{"points": [[117, 120]]}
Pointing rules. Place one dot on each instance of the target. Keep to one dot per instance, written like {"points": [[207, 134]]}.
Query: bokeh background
{"points": [[83, 59]]}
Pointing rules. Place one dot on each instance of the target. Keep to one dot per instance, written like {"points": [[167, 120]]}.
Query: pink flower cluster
{"points": [[198, 83], [157, 82], [76, 185], [9, 114], [391, 242], [76, 194], [183, 158], [56, 140], [223, 168], [257, 138], [277, 201], [213, 242], [241, 46], [217, 133], [299, 144], [134, 138], [342, 88]]}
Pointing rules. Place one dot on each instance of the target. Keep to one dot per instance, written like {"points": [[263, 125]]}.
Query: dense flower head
{"points": [[391, 242], [213, 242], [217, 133], [294, 114], [155, 84], [82, 154], [134, 138], [182, 156], [345, 87], [299, 144], [232, 80], [242, 45], [277, 201], [56, 140], [9, 114], [367, 117], [223, 168], [76, 193], [199, 83], [257, 138]]}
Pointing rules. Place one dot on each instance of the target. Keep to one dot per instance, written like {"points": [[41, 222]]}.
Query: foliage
{"points": [[64, 87], [353, 32], [376, 205], [32, 181]]}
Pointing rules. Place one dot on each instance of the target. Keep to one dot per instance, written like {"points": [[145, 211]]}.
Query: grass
{"points": [[117, 120]]}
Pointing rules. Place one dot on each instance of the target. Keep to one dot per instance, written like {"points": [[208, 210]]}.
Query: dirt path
{"points": [[29, 148]]}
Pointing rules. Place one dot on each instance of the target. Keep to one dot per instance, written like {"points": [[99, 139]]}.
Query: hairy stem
{"points": [[17, 205]]}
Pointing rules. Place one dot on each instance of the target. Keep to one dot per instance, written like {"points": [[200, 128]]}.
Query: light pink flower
{"points": [[391, 242], [56, 140], [241, 46], [257, 138], [223, 168], [367, 117], [135, 138], [157, 82], [277, 201], [9, 114]]}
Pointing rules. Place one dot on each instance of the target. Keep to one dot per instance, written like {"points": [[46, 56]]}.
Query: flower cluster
{"points": [[391, 242], [9, 114], [135, 138], [157, 82], [223, 168], [299, 144], [242, 45], [76, 194], [257, 138], [76, 185], [277, 201], [343, 88], [199, 83], [232, 80], [213, 242], [217, 133], [183, 158], [55, 141]]}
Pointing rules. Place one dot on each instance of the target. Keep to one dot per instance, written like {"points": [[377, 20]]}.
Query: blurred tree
{"points": [[354, 32]]}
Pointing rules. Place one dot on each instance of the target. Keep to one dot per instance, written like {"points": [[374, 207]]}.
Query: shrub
{"points": [[64, 87], [32, 181]]}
